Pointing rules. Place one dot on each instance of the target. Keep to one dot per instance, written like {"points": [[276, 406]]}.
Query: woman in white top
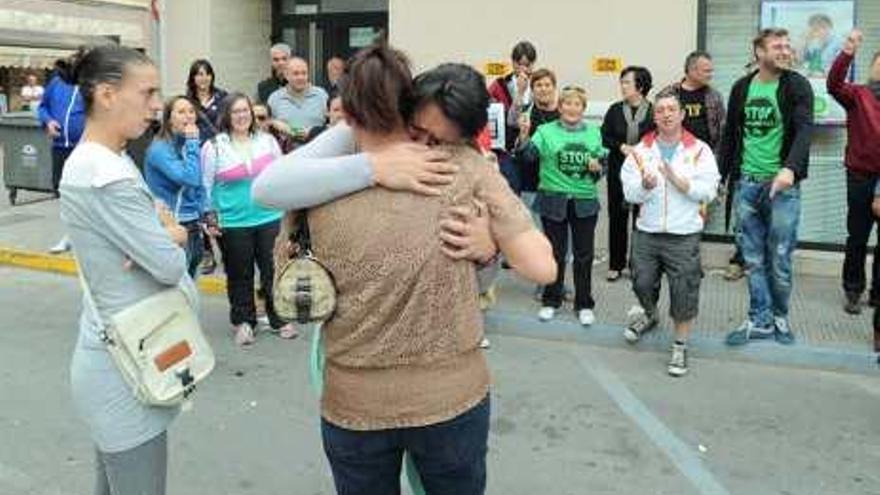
{"points": [[31, 93], [126, 251]]}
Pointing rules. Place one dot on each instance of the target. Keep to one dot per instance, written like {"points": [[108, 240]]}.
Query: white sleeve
{"points": [[631, 178], [704, 184]]}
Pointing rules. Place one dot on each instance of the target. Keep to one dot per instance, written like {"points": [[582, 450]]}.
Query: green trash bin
{"points": [[27, 154]]}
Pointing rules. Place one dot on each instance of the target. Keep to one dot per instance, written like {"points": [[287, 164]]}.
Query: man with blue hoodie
{"points": [[62, 115]]}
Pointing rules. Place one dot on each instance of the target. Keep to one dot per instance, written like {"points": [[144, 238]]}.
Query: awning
{"points": [[36, 58]]}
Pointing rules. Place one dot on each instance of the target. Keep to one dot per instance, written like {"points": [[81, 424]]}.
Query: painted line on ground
{"points": [[66, 265], [682, 455]]}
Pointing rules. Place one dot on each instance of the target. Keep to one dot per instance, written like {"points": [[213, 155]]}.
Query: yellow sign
{"points": [[607, 65], [497, 69]]}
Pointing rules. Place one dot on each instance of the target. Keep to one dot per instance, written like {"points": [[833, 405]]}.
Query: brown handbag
{"points": [[304, 289]]}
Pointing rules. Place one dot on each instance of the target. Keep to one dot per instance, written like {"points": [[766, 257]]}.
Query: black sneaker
{"points": [[639, 326], [678, 364], [852, 304]]}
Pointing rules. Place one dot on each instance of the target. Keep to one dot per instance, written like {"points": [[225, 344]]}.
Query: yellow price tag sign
{"points": [[497, 69], [607, 65]]}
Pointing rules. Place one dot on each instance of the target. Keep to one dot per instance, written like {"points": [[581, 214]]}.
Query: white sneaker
{"points": [[484, 343], [586, 317], [62, 247], [678, 364], [546, 313]]}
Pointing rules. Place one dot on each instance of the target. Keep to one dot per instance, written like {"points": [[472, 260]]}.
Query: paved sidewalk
{"points": [[827, 337]]}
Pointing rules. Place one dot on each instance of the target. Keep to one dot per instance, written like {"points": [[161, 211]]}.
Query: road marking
{"points": [[683, 456]]}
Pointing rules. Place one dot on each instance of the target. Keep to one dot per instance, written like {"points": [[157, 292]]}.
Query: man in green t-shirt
{"points": [[766, 148]]}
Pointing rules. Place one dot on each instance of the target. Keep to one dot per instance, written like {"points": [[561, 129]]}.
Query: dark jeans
{"points": [[583, 232], [618, 223], [450, 457], [242, 247], [767, 236], [195, 247], [59, 156], [510, 170], [860, 222]]}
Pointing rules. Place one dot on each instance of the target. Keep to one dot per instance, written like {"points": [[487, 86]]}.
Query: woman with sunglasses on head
{"points": [[126, 252], [245, 230], [173, 170]]}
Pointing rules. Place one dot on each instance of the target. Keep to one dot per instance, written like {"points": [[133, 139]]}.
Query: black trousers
{"points": [[242, 248], [618, 223], [59, 156], [860, 222], [583, 231]]}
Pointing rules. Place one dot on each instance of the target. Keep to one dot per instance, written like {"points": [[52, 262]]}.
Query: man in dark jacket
{"points": [[280, 53], [862, 104], [766, 148]]}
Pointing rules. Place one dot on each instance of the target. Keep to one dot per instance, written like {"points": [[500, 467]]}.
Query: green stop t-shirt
{"points": [[763, 131], [565, 156]]}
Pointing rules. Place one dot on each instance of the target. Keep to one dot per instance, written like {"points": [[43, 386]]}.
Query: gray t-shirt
{"points": [[302, 112], [109, 213]]}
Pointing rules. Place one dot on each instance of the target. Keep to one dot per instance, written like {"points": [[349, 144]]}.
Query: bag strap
{"points": [[90, 301]]}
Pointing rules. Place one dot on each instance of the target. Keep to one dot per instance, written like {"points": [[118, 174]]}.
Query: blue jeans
{"points": [[450, 457], [767, 235]]}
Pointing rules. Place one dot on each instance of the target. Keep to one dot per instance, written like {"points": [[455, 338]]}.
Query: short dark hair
{"points": [[524, 49], [542, 74], [377, 88], [224, 119], [191, 79], [669, 92], [104, 64], [165, 129], [459, 91], [691, 60], [641, 76]]}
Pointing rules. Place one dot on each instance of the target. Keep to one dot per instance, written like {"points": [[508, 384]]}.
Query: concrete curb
{"points": [[66, 265], [848, 359]]}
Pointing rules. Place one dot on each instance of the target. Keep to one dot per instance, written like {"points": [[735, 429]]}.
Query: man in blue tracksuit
{"points": [[62, 115]]}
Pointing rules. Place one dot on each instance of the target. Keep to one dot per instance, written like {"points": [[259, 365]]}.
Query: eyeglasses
{"points": [[261, 117]]}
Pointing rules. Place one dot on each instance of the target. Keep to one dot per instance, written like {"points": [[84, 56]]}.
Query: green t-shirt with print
{"points": [[565, 156], [763, 130]]}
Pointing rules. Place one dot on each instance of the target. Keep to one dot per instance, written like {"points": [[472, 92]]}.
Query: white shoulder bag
{"points": [[158, 346]]}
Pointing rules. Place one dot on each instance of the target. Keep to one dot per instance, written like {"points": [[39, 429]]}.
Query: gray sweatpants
{"points": [[679, 257], [138, 471]]}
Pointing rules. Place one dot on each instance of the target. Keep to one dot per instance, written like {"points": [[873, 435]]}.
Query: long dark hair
{"points": [[224, 119], [191, 89], [104, 64], [165, 131]]}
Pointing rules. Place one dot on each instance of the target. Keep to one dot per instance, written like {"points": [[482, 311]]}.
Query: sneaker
{"points": [[613, 275], [244, 334], [546, 313], [748, 331], [852, 305], [63, 246], [586, 317], [734, 272], [782, 331], [288, 331], [640, 325], [484, 343], [678, 365]]}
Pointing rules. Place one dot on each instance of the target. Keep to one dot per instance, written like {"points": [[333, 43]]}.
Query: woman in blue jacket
{"points": [[173, 172]]}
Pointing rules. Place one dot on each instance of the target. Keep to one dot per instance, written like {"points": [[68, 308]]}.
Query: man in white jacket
{"points": [[672, 175]]}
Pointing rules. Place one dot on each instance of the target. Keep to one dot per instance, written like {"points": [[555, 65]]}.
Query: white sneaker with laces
{"points": [[678, 364], [586, 317], [546, 313]]}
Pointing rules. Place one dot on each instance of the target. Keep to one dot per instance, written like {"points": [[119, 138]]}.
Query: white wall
{"points": [[567, 34], [232, 34]]}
